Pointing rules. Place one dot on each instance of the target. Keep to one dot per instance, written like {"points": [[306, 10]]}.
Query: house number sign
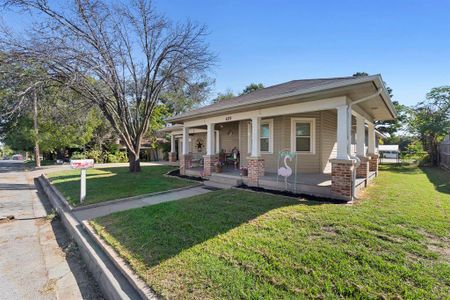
{"points": [[228, 118]]}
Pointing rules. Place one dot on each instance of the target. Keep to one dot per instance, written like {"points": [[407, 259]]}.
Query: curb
{"points": [[106, 272], [141, 287], [56, 192]]}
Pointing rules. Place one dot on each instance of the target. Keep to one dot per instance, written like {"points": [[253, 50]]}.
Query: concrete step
{"points": [[218, 185], [229, 180]]}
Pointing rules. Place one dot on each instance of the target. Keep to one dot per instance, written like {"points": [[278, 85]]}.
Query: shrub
{"points": [[118, 157], [78, 155], [96, 155]]}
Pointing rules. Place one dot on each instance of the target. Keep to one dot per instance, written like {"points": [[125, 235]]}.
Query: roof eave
{"points": [[386, 98]]}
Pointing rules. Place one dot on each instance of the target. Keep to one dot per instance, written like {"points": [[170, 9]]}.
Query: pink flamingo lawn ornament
{"points": [[285, 171]]}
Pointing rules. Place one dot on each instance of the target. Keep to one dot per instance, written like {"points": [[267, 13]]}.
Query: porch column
{"points": [[362, 171], [342, 167], [172, 153], [255, 161], [373, 163], [210, 158], [342, 129], [360, 137], [185, 159], [256, 124]]}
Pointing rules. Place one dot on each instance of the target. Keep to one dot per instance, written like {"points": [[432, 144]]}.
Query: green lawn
{"points": [[113, 183], [237, 244]]}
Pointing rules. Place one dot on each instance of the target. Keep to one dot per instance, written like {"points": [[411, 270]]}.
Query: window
{"points": [[264, 139], [265, 136], [303, 135]]}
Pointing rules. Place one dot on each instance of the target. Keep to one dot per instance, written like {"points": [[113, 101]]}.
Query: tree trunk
{"points": [[135, 162], [37, 158]]}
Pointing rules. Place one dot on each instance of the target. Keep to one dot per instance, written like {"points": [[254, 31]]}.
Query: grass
{"points": [[237, 244], [105, 184], [31, 164]]}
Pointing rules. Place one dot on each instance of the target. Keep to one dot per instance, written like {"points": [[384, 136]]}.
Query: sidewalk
{"points": [[92, 213], [37, 259]]}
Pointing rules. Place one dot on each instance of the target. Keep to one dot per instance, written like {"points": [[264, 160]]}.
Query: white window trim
{"points": [[312, 121], [249, 136]]}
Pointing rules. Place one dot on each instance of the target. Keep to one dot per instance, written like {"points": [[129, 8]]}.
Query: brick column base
{"points": [[341, 178], [208, 164], [172, 156], [255, 167], [363, 170], [373, 163], [185, 163]]}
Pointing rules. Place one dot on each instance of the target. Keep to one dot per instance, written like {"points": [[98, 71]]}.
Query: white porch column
{"points": [[342, 129], [210, 137], [360, 137], [185, 140], [256, 124], [217, 142], [371, 138], [172, 143]]}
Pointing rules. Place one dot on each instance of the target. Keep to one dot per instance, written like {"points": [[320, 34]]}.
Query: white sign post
{"points": [[83, 165]]}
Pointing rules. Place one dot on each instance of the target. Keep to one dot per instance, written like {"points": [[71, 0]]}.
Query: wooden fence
{"points": [[444, 154]]}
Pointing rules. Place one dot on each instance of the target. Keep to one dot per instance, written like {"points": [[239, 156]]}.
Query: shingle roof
{"points": [[260, 95]]}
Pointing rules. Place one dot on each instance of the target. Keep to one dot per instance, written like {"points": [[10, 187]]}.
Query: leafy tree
{"points": [[228, 94], [390, 127], [430, 120], [251, 88], [21, 84], [181, 95], [38, 113], [358, 74], [119, 56]]}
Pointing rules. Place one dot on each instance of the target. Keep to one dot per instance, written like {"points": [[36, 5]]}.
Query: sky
{"points": [[270, 42]]}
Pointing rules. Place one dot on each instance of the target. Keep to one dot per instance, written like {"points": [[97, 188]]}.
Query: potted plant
{"points": [[244, 171], [218, 167]]}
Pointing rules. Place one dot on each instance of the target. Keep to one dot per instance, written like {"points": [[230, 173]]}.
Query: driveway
{"points": [[37, 259]]}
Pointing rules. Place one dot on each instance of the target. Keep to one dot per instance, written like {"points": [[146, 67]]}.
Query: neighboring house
{"points": [[312, 119], [389, 151]]}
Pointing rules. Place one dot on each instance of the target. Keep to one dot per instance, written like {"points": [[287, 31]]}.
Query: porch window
{"points": [[303, 135], [265, 136]]}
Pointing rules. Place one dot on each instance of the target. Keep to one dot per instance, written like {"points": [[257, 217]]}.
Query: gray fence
{"points": [[444, 154]]}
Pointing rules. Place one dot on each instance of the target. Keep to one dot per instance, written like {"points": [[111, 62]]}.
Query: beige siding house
{"points": [[312, 121]]}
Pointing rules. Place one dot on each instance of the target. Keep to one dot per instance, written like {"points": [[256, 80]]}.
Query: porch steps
{"points": [[223, 181]]}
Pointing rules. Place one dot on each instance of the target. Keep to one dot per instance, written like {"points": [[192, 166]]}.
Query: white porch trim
{"points": [[303, 107], [210, 137], [341, 131], [360, 137], [256, 123], [185, 140], [172, 143], [371, 138]]}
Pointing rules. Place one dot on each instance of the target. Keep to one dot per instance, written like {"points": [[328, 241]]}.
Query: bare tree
{"points": [[118, 56]]}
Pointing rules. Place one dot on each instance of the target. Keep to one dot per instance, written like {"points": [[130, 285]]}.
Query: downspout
{"points": [[349, 137]]}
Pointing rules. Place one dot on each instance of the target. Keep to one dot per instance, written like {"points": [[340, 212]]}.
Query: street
{"points": [[37, 259]]}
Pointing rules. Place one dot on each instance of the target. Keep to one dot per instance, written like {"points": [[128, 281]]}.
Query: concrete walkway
{"points": [[91, 213], [37, 259]]}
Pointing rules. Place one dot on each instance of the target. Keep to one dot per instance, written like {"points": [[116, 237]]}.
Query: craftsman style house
{"points": [[313, 136]]}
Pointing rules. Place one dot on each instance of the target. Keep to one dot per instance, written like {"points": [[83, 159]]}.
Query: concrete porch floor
{"points": [[314, 184]]}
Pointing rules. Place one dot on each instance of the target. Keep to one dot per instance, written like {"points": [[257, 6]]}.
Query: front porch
{"points": [[312, 184], [321, 162]]}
